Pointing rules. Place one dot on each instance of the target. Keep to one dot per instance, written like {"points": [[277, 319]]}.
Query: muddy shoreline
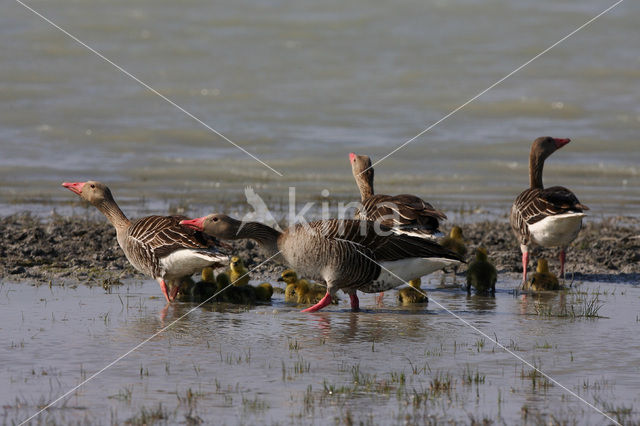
{"points": [[62, 249]]}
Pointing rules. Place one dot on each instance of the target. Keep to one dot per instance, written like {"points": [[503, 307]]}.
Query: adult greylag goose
{"points": [[548, 217], [348, 255], [404, 213], [157, 246]]}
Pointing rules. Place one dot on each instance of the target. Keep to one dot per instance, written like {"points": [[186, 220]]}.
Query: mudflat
{"points": [[60, 248]]}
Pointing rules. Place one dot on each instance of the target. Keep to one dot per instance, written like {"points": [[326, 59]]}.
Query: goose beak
{"points": [[280, 279], [197, 224], [74, 186], [561, 142], [352, 156]]}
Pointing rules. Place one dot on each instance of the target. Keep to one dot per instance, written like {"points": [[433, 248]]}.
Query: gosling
{"points": [[301, 291], [455, 243], [412, 294], [542, 280], [482, 275]]}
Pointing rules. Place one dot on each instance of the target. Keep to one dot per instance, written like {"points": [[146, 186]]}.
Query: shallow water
{"points": [[300, 84], [272, 364]]}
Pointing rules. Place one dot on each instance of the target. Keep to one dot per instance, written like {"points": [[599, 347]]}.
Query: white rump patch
{"points": [[408, 269], [556, 231], [188, 262]]}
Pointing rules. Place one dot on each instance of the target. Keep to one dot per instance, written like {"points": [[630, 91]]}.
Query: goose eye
{"points": [[93, 186], [215, 219]]}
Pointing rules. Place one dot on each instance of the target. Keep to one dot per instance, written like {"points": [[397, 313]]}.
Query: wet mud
{"points": [[62, 248]]}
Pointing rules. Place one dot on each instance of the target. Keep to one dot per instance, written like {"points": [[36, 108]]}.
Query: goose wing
{"points": [[380, 241], [155, 237], [402, 212]]}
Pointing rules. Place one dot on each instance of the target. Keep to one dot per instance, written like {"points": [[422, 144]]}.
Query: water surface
{"points": [[274, 365], [301, 84]]}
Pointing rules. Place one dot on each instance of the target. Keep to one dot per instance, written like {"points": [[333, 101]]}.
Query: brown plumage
{"points": [[405, 213], [549, 217], [346, 254], [157, 246]]}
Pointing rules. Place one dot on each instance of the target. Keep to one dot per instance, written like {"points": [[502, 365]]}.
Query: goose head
{"points": [[544, 146], [216, 225], [362, 172], [92, 191], [289, 276]]}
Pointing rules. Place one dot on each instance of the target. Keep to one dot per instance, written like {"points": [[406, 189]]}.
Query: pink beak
{"points": [[197, 224], [74, 186], [352, 156], [561, 142]]}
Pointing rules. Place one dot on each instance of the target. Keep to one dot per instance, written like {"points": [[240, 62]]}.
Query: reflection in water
{"points": [[481, 303], [543, 302]]}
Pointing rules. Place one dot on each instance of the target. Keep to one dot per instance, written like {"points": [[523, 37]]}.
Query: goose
{"points": [[542, 279], [348, 255], [157, 246], [482, 275], [412, 294], [404, 213], [548, 217]]}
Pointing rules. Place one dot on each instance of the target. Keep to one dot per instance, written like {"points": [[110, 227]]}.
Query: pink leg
{"points": [[163, 287], [525, 264], [379, 299], [562, 259], [355, 303], [326, 300]]}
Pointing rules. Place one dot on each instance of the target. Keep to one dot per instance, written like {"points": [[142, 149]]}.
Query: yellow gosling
{"points": [[238, 274], [482, 275], [290, 277], [302, 291], [290, 293], [203, 291], [412, 294], [207, 275], [240, 295], [309, 294], [542, 280], [264, 292], [223, 280], [454, 241]]}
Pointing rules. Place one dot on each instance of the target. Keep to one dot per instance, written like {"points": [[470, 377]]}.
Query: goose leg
{"points": [[163, 287], [326, 300], [562, 259], [355, 303], [525, 263], [379, 299]]}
